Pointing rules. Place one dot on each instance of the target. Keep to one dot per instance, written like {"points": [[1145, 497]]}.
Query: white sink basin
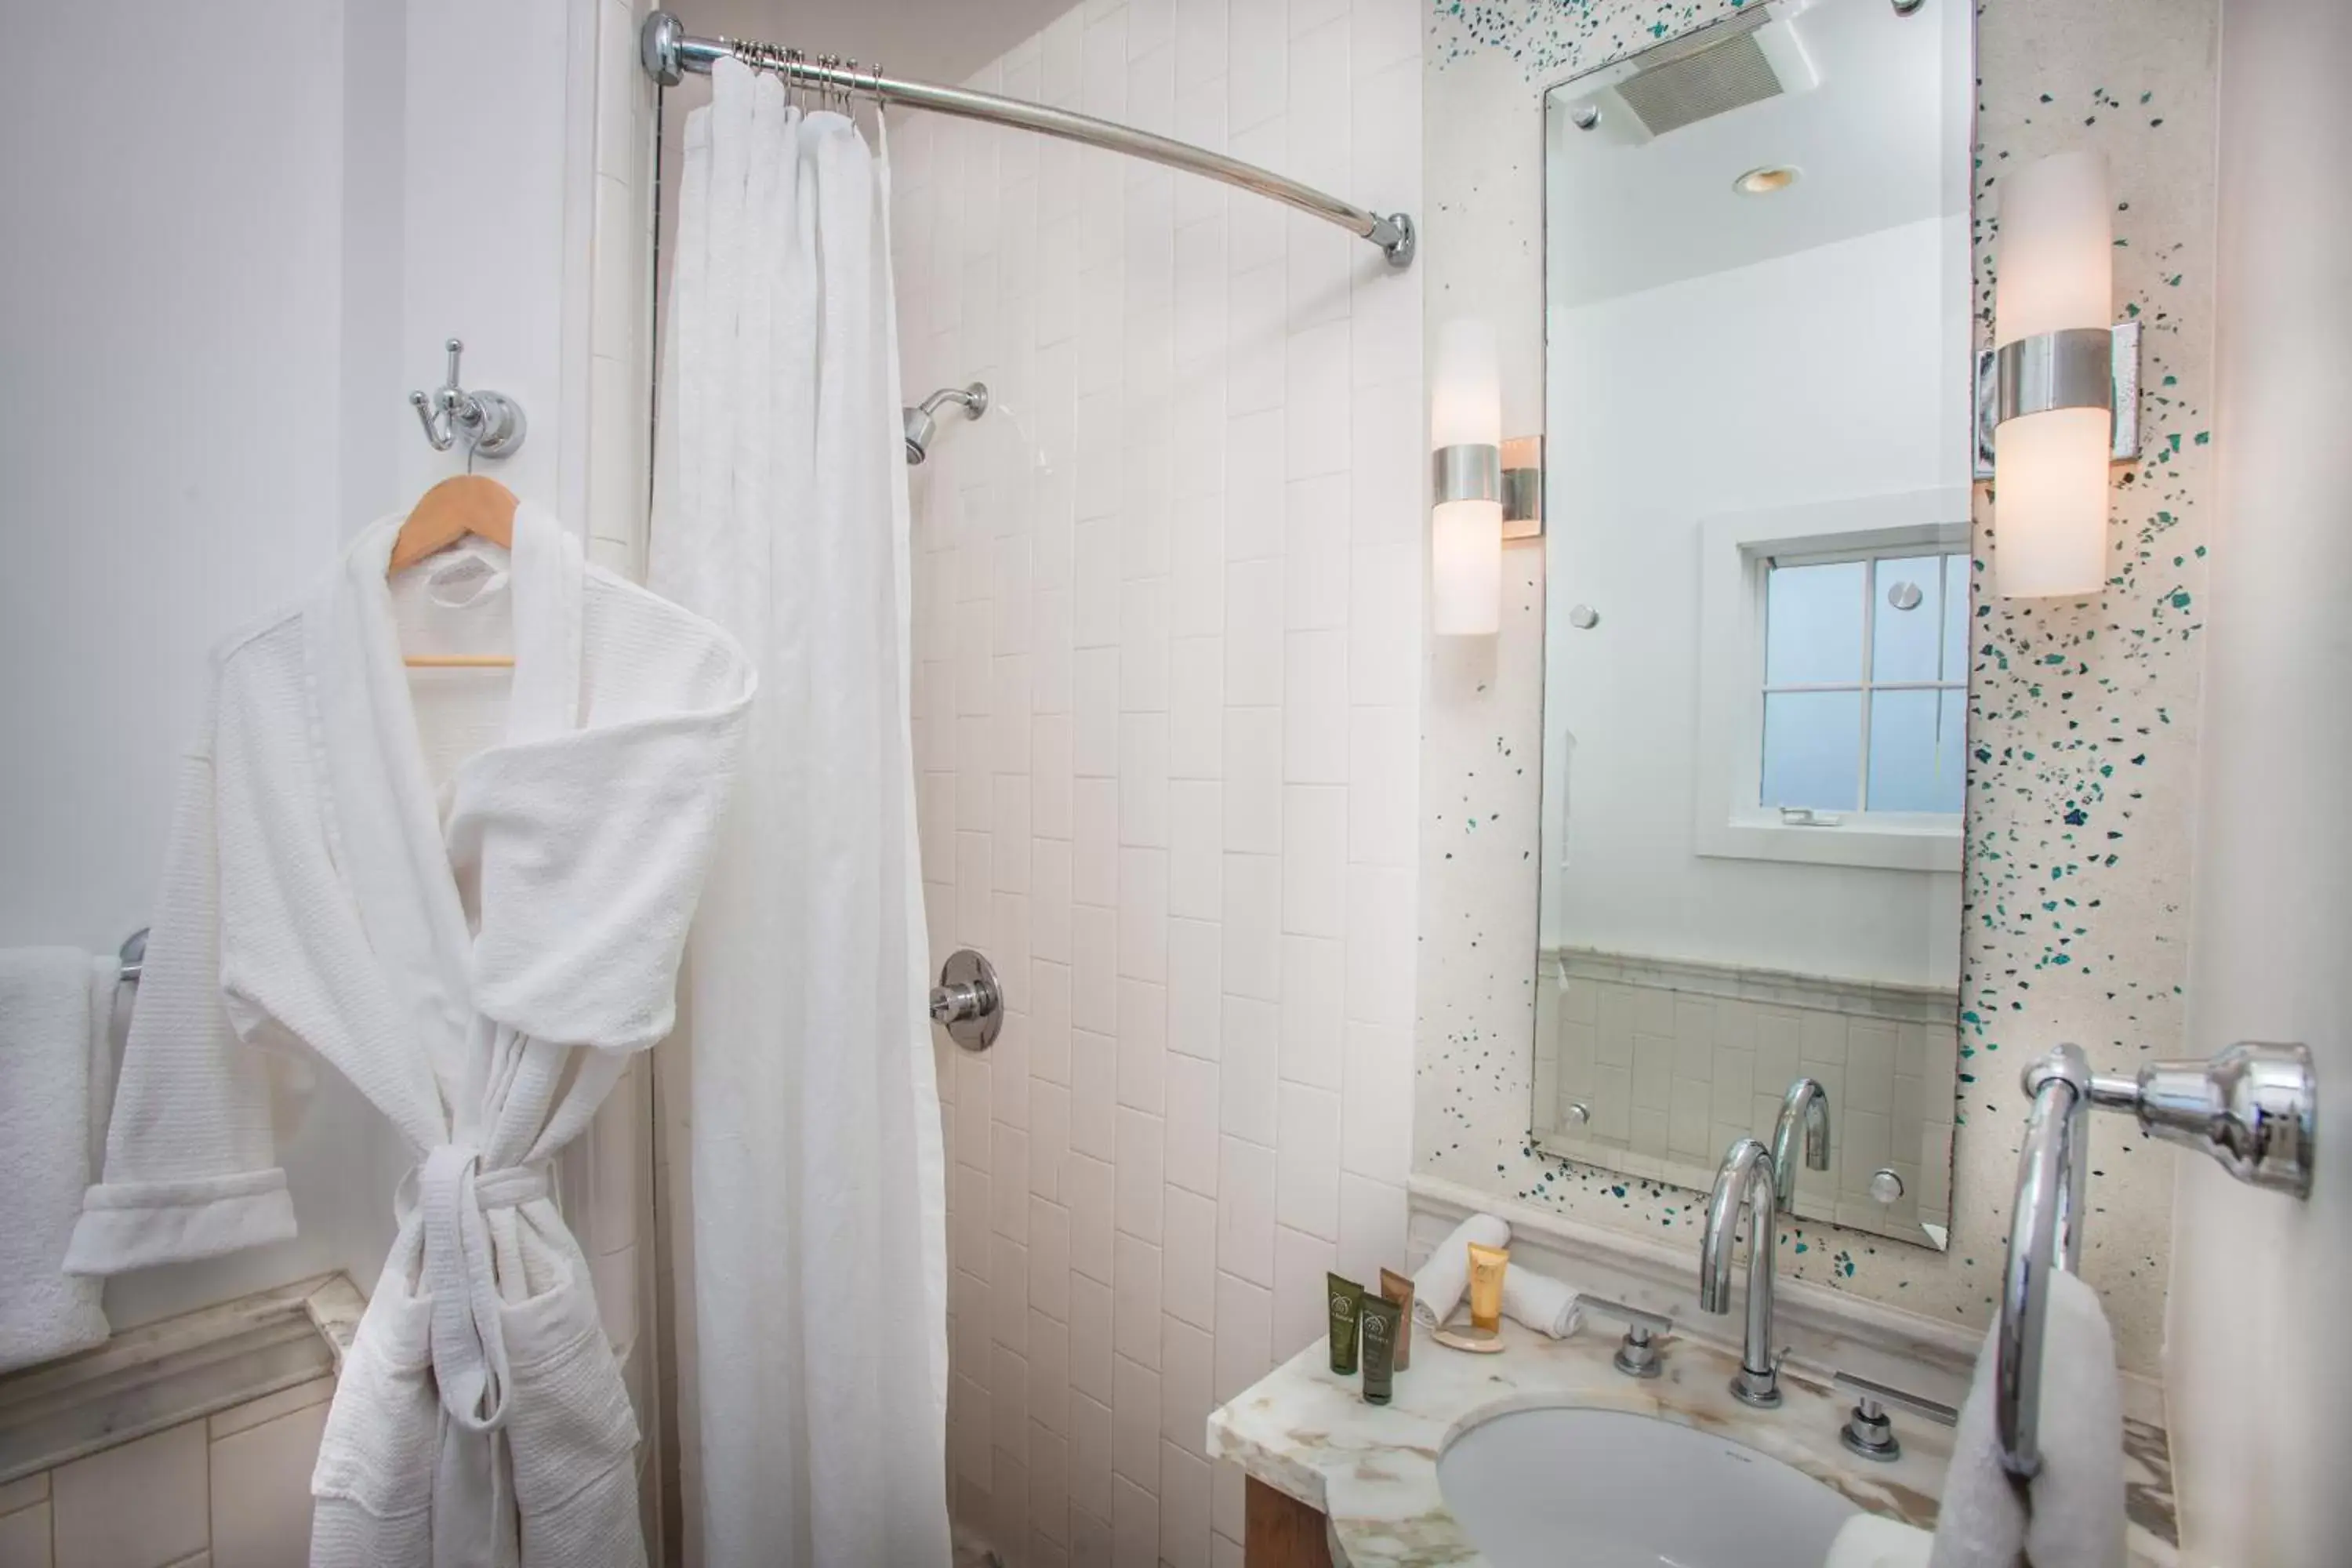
{"points": [[1604, 1489]]}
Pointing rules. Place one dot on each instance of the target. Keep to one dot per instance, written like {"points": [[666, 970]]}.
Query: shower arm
{"points": [[973, 400]]}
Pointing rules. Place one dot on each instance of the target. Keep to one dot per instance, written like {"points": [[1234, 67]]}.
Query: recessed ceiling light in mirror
{"points": [[1765, 181]]}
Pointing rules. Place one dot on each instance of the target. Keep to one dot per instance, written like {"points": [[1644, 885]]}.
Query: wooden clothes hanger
{"points": [[466, 504]]}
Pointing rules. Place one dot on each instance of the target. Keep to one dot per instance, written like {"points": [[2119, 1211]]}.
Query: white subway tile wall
{"points": [[1671, 1067], [1166, 637], [232, 1491]]}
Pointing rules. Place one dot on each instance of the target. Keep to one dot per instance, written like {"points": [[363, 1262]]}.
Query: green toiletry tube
{"points": [[1384, 1327], [1347, 1305]]}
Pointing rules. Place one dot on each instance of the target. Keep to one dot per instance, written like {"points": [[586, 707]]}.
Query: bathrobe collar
{"points": [[560, 824]]}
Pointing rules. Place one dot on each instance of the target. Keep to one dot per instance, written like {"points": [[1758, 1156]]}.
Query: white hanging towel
{"points": [[470, 898], [818, 1297], [2071, 1515], [57, 1010]]}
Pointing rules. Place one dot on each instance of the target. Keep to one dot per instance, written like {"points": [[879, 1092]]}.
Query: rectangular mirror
{"points": [[1757, 283]]}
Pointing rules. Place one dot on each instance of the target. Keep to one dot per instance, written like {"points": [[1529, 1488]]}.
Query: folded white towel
{"points": [[1438, 1288], [1866, 1541], [1541, 1302], [2071, 1514], [56, 1007]]}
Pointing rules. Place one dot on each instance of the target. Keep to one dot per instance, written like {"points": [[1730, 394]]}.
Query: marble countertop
{"points": [[1372, 1469]]}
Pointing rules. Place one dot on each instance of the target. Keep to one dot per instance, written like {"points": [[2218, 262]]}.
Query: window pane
{"points": [[1905, 643], [1813, 746], [1917, 742], [1812, 624], [1956, 616]]}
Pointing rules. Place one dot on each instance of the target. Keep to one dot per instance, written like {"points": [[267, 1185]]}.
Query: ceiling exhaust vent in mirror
{"points": [[1744, 60]]}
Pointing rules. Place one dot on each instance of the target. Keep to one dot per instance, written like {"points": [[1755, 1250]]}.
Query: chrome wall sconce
{"points": [[2057, 403], [1483, 489]]}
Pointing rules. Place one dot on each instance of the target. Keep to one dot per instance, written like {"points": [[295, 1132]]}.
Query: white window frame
{"points": [[1736, 554]]}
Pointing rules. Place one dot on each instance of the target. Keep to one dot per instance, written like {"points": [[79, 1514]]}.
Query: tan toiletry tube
{"points": [[1347, 1305], [1383, 1330], [1398, 1287], [1487, 1265]]}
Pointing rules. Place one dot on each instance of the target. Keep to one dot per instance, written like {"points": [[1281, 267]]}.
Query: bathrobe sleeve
{"points": [[190, 1168]]}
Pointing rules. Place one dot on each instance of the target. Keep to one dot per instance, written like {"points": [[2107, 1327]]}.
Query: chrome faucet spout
{"points": [[1807, 1103], [1747, 1180]]}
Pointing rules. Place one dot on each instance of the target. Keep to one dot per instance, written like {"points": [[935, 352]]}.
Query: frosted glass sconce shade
{"points": [[2053, 441], [1466, 479]]}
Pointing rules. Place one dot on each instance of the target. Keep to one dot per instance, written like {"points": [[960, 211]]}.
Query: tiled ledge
{"points": [[148, 1379], [1937, 1005]]}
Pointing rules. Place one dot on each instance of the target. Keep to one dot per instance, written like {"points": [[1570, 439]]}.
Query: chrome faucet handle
{"points": [[1637, 1353], [1867, 1430]]}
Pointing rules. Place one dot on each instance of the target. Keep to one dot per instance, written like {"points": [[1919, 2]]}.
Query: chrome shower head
{"points": [[918, 435], [919, 426]]}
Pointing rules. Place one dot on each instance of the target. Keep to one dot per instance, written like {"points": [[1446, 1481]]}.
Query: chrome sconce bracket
{"points": [[1469, 471], [1511, 473], [2085, 367], [1523, 461]]}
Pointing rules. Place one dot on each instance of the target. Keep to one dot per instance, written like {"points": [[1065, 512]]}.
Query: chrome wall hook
{"points": [[490, 423]]}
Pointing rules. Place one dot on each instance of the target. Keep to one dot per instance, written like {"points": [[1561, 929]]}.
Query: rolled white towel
{"points": [[1866, 1541], [1437, 1290], [1541, 1302]]}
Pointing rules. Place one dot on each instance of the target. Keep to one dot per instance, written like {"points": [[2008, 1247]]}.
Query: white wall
{"points": [[2256, 1358], [237, 234], [1166, 609], [1830, 374]]}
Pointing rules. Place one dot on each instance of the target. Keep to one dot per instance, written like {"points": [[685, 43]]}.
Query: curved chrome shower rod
{"points": [[668, 53]]}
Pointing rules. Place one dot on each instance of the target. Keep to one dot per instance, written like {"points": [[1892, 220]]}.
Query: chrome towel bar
{"points": [[2252, 1108]]}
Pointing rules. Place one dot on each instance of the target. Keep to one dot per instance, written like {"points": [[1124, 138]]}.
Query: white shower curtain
{"points": [[819, 1319]]}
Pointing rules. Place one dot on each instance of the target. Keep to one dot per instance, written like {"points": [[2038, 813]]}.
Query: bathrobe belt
{"points": [[469, 1353]]}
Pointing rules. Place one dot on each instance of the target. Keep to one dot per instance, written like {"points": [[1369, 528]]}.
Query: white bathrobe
{"points": [[479, 957]]}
